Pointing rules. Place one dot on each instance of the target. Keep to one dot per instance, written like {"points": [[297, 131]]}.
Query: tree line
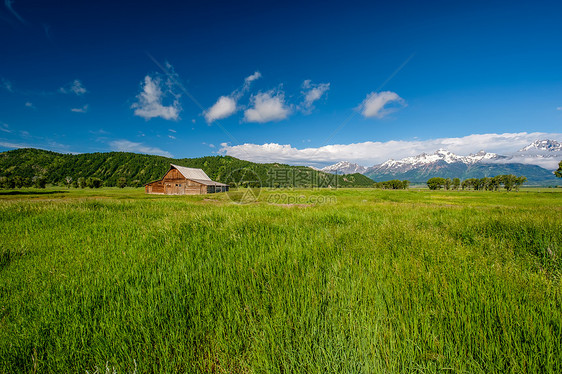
{"points": [[394, 184], [509, 182]]}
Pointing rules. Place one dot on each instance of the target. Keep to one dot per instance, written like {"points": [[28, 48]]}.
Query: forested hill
{"points": [[139, 169]]}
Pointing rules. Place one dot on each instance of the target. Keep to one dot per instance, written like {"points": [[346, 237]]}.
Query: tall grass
{"points": [[380, 281]]}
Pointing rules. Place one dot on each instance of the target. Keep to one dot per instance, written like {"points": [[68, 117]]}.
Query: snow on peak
{"points": [[441, 155], [543, 145], [344, 167]]}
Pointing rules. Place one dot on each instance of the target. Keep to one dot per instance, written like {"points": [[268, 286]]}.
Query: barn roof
{"points": [[192, 173], [209, 182]]}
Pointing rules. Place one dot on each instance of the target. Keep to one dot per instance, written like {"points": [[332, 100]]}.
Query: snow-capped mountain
{"points": [[424, 160], [536, 161], [344, 167], [448, 165], [545, 145], [546, 153]]}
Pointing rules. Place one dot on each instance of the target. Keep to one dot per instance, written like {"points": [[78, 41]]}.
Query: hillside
{"points": [[139, 169]]}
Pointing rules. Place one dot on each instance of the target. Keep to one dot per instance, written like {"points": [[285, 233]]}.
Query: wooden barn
{"points": [[180, 180]]}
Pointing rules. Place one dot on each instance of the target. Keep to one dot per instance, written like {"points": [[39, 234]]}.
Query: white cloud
{"points": [[30, 105], [172, 130], [150, 101], [252, 77], [379, 104], [223, 108], [14, 145], [98, 132], [371, 153], [7, 85], [83, 109], [549, 163], [559, 108], [8, 4], [312, 92], [226, 106], [171, 137], [43, 143], [267, 106], [128, 146], [4, 127], [75, 87]]}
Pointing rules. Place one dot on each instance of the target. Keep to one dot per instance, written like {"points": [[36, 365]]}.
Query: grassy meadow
{"points": [[305, 281]]}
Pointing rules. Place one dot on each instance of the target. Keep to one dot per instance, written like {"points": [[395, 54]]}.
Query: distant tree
{"points": [[436, 183], [490, 186], [495, 182], [10, 183], [508, 181], [136, 183], [468, 183], [93, 182], [394, 184], [519, 181], [68, 181], [96, 182], [18, 181], [122, 182], [456, 183], [448, 183], [40, 182], [7, 182], [481, 184], [82, 182], [558, 172]]}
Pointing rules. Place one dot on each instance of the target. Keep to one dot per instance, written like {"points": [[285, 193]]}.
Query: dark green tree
{"points": [[519, 181], [456, 183], [18, 181], [122, 182], [40, 182], [436, 183], [394, 184], [93, 182], [558, 172], [509, 181], [7, 182]]}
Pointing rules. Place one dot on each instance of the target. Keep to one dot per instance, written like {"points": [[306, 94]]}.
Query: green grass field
{"points": [[346, 281]]}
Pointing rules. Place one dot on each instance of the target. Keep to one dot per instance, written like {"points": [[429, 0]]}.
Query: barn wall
{"points": [[155, 187]]}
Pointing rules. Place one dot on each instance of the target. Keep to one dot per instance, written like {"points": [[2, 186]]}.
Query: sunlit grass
{"points": [[370, 281]]}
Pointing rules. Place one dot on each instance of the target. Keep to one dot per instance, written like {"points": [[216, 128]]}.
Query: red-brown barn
{"points": [[180, 180]]}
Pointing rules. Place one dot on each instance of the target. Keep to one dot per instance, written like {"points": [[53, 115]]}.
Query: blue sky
{"points": [[297, 82]]}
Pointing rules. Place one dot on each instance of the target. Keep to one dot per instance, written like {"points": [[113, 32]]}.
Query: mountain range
{"points": [[528, 161]]}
